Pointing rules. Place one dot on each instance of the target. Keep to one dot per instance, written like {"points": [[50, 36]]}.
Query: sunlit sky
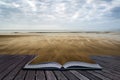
{"points": [[83, 15]]}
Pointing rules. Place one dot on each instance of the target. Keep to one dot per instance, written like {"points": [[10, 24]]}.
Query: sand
{"points": [[53, 46]]}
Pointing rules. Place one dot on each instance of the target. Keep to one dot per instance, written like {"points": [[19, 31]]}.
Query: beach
{"points": [[53, 46]]}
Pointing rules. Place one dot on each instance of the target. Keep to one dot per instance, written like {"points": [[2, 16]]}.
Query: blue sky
{"points": [[83, 15]]}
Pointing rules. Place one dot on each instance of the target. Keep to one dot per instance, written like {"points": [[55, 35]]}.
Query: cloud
{"points": [[15, 5], [115, 12], [32, 4], [58, 11], [69, 9]]}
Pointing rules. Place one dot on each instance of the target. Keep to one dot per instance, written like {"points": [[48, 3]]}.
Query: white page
{"points": [[43, 65], [81, 64]]}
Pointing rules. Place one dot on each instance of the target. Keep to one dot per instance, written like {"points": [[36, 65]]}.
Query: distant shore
{"points": [[45, 32]]}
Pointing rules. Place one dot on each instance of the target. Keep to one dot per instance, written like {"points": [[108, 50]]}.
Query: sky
{"points": [[80, 15]]}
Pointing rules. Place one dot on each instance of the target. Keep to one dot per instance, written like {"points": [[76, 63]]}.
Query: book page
{"points": [[80, 65], [47, 65]]}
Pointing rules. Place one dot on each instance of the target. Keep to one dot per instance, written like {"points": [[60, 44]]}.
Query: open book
{"points": [[33, 64]]}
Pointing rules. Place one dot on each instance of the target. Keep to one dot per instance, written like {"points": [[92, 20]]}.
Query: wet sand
{"points": [[61, 47]]}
